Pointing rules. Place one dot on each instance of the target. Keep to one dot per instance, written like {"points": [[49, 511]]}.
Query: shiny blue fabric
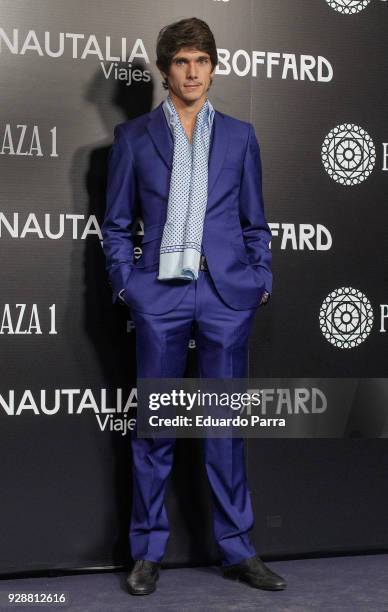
{"points": [[235, 233], [222, 348]]}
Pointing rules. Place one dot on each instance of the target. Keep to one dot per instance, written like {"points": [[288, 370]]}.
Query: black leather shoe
{"points": [[142, 579], [255, 573]]}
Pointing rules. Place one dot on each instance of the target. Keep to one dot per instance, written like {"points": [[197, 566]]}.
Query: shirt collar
{"points": [[168, 113]]}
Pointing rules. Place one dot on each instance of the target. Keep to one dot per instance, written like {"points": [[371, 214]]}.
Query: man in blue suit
{"points": [[193, 174]]}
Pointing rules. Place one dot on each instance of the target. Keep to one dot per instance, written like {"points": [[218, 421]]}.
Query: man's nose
{"points": [[192, 70]]}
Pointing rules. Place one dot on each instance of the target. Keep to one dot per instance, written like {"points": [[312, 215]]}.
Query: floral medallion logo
{"points": [[348, 154], [346, 317], [348, 7]]}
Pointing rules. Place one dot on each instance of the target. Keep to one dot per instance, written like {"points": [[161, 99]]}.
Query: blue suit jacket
{"points": [[235, 234]]}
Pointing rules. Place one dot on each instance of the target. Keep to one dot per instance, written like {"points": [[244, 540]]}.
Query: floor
{"points": [[352, 583]]}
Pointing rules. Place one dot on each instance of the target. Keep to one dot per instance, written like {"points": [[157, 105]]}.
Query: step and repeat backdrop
{"points": [[311, 77]]}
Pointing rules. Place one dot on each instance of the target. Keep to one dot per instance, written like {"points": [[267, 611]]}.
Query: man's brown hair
{"points": [[192, 33]]}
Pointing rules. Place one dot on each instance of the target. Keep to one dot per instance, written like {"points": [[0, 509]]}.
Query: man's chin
{"points": [[193, 95]]}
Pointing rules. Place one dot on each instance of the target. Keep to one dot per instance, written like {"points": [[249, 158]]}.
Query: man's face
{"points": [[190, 74]]}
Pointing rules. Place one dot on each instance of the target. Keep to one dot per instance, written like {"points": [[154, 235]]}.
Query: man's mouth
{"points": [[192, 86]]}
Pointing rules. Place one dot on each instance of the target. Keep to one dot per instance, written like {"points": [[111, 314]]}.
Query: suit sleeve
{"points": [[120, 213], [256, 231]]}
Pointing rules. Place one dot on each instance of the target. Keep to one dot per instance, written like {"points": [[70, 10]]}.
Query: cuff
{"points": [[265, 297]]}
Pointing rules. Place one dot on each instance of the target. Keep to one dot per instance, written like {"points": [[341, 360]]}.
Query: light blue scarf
{"points": [[180, 249]]}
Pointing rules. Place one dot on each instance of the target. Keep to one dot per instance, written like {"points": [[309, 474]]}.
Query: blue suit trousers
{"points": [[162, 344]]}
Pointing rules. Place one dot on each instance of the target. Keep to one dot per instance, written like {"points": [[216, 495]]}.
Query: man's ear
{"points": [[211, 78], [164, 75]]}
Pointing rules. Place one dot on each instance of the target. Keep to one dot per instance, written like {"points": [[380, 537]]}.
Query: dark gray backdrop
{"points": [[66, 484]]}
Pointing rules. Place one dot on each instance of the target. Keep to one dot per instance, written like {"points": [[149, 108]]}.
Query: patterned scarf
{"points": [[180, 249]]}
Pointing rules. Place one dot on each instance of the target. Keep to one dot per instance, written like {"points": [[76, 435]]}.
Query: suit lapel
{"points": [[218, 148], [158, 130], [159, 133]]}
